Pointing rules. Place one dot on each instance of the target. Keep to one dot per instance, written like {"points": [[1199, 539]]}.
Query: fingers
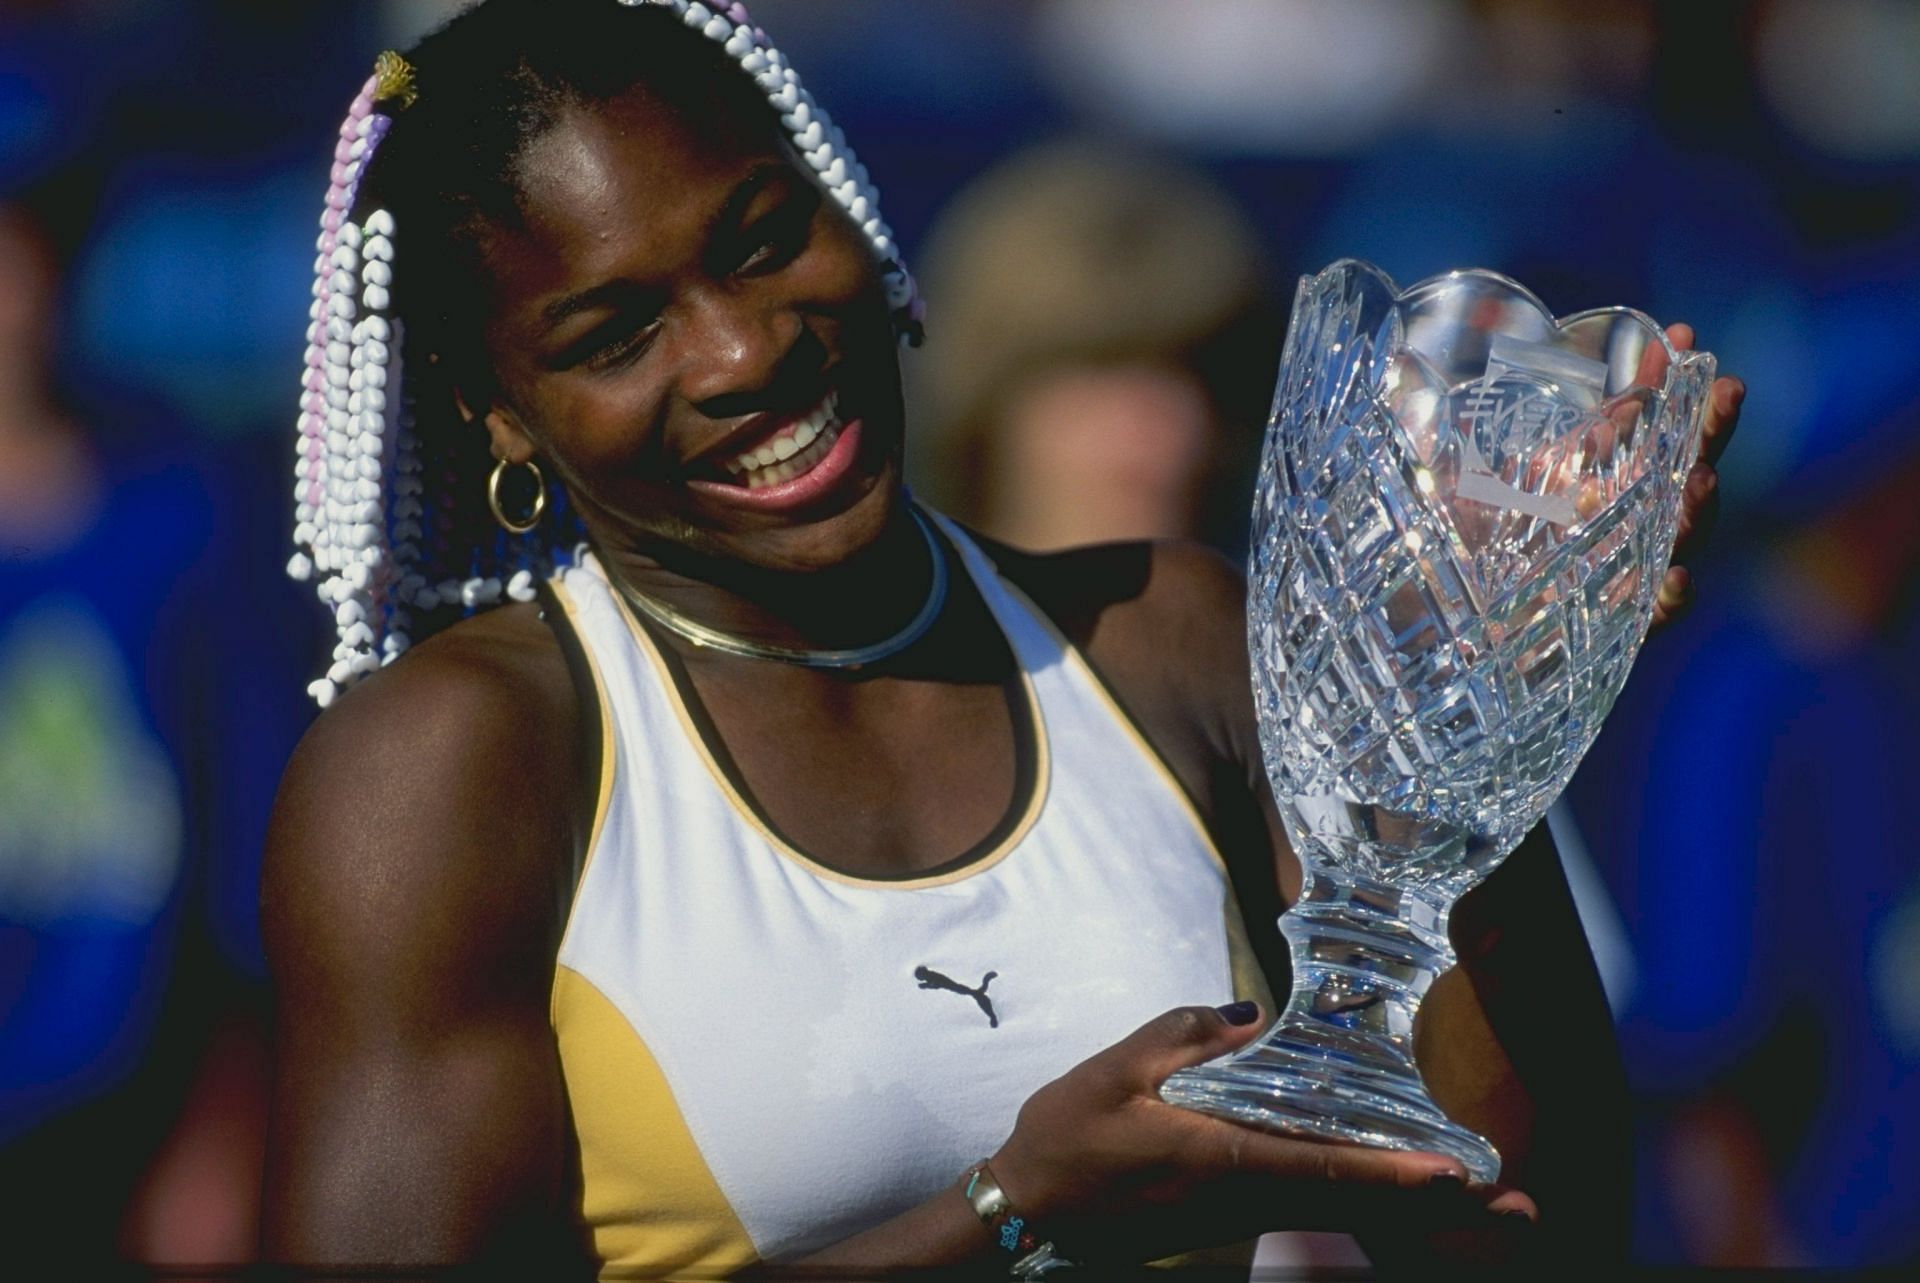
{"points": [[1348, 1187], [1723, 416], [1675, 597], [1699, 510], [1182, 1037]]}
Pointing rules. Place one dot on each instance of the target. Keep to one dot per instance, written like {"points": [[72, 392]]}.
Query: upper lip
{"points": [[752, 432]]}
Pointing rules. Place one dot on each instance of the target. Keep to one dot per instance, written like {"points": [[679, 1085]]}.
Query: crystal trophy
{"points": [[1465, 510]]}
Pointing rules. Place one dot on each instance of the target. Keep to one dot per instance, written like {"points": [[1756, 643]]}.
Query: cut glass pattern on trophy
{"points": [[1464, 511], [1464, 533]]}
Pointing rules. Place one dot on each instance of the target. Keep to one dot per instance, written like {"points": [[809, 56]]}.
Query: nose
{"points": [[742, 356]]}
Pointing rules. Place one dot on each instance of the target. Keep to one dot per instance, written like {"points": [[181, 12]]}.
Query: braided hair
{"points": [[393, 523]]}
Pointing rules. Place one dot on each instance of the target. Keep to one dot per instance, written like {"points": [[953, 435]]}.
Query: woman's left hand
{"points": [[1701, 503]]}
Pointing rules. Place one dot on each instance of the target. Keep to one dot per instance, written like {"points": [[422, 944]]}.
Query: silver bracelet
{"points": [[1033, 1258]]}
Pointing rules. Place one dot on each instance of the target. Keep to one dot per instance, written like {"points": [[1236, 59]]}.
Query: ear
{"points": [[508, 438]]}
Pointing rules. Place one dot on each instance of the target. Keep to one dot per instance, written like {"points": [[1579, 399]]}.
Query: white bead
{"points": [[857, 209], [339, 353], [341, 673], [377, 273], [426, 599], [349, 612], [362, 535], [338, 376], [845, 192], [784, 96], [367, 489], [341, 306], [318, 309], [520, 587], [406, 529], [349, 235], [364, 127], [358, 149], [379, 250], [377, 352], [301, 567], [357, 633], [751, 59], [323, 692], [338, 331], [696, 14], [358, 577], [376, 297], [366, 662], [373, 400], [395, 644], [741, 42], [346, 258], [341, 282], [380, 223], [369, 442], [373, 377], [368, 468], [718, 29], [338, 443], [303, 513], [304, 532]]}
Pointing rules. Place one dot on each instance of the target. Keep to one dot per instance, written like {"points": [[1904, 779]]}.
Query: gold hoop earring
{"points": [[539, 498]]}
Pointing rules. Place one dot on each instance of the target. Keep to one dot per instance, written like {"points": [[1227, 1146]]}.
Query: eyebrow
{"points": [[610, 292]]}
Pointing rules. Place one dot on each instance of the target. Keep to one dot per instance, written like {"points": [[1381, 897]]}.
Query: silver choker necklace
{"points": [[728, 644]]}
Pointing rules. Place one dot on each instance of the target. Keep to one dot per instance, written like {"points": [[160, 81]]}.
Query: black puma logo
{"points": [[931, 979]]}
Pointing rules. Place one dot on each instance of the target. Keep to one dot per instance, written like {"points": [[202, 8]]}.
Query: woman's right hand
{"points": [[1104, 1168]]}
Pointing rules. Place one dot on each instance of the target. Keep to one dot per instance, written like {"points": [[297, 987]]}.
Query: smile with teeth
{"points": [[792, 451]]}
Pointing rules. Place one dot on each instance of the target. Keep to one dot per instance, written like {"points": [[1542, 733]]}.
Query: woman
{"points": [[853, 870]]}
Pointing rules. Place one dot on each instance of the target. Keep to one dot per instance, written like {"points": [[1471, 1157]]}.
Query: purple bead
{"points": [[738, 13], [316, 494]]}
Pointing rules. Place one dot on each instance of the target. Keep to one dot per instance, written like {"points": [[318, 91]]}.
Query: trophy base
{"points": [[1325, 1096]]}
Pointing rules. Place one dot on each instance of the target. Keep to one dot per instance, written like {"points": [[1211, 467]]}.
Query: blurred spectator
{"points": [[141, 729], [1100, 355]]}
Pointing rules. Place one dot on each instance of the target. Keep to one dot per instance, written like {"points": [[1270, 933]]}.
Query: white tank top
{"points": [[763, 1055]]}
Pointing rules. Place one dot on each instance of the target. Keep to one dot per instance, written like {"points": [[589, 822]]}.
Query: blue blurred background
{"points": [[1753, 168]]}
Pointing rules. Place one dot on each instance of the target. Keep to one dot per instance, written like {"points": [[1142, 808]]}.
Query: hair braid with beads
{"points": [[391, 519]]}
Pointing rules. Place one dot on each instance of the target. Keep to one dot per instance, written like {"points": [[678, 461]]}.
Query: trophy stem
{"points": [[1338, 1064]]}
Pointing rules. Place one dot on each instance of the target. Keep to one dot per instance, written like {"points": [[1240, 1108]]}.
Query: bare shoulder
{"points": [[1164, 624], [424, 813]]}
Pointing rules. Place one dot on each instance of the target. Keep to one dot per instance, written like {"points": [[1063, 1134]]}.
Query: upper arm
{"points": [[417, 1110]]}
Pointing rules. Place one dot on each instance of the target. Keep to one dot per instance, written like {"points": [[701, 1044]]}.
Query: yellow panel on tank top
{"points": [[647, 1195]]}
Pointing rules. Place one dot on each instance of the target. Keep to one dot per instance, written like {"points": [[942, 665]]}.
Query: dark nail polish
{"points": [[1239, 1013], [1447, 1181]]}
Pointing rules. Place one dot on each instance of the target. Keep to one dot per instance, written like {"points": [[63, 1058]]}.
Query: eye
{"points": [[613, 346], [780, 237]]}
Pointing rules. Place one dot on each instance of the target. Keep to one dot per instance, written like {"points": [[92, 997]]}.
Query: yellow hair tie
{"points": [[393, 80]]}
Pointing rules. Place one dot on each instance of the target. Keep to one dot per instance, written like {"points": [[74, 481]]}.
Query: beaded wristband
{"points": [[1033, 1258]]}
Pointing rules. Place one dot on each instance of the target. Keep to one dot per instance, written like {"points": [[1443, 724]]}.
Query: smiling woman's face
{"points": [[695, 338]]}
